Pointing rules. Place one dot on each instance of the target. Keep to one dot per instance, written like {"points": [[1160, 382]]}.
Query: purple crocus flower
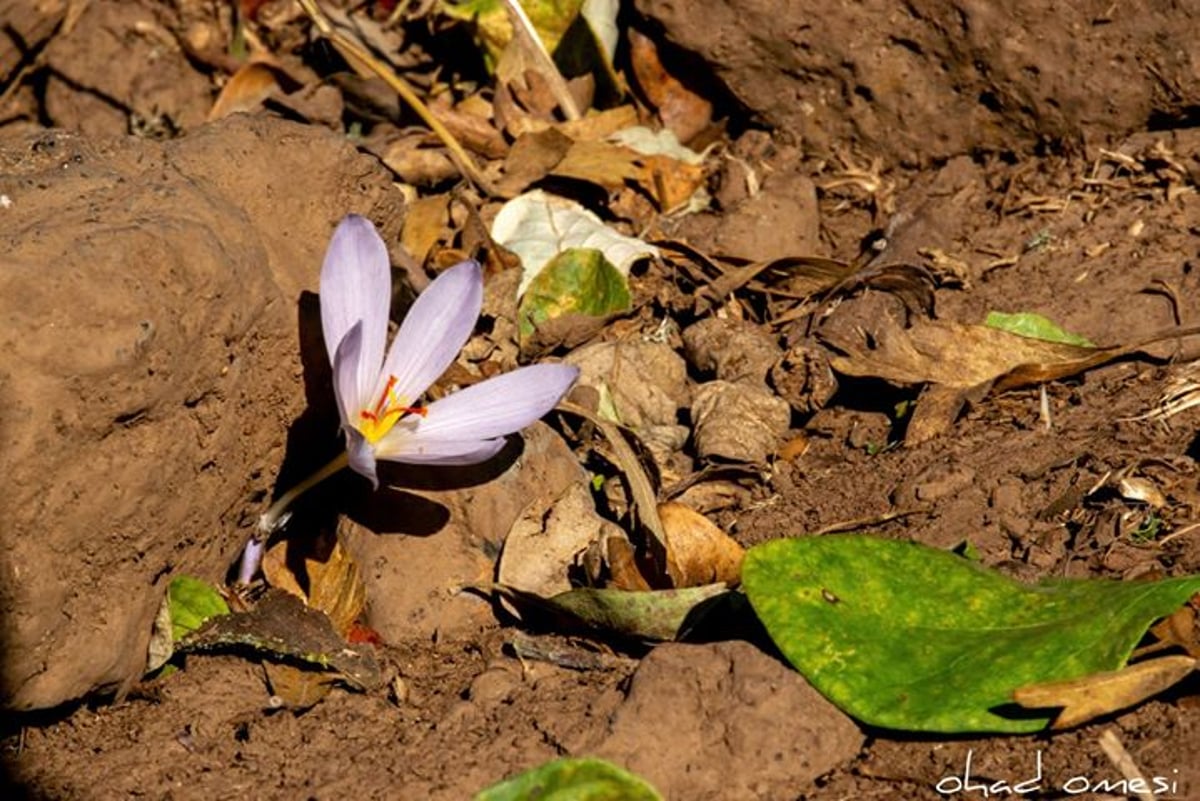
{"points": [[379, 388], [378, 395]]}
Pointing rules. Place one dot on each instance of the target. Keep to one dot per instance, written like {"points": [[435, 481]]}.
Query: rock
{"points": [[414, 579], [152, 374], [828, 73], [724, 721], [738, 422]]}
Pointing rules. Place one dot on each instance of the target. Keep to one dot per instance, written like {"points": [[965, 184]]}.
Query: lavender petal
{"points": [[434, 331], [362, 456], [356, 286], [252, 556], [445, 452], [493, 408], [347, 360]]}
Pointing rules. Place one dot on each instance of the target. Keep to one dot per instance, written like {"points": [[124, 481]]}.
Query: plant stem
{"points": [[275, 516]]}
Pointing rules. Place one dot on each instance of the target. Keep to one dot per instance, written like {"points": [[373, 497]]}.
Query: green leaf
{"points": [[576, 282], [648, 615], [1034, 326], [537, 226], [192, 601], [572, 780], [908, 637]]}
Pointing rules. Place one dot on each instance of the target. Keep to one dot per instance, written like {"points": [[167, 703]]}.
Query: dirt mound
{"points": [[149, 303]]}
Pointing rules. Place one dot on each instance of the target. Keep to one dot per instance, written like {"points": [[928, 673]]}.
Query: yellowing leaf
{"points": [[537, 226]]}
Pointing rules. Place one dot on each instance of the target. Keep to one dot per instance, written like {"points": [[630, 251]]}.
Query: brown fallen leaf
{"points": [[700, 552], [669, 181], [547, 540], [1180, 629], [1101, 693], [681, 109], [426, 221], [247, 88], [532, 157], [642, 494]]}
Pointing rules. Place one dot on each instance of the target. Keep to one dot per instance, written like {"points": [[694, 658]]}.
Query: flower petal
{"points": [[346, 362], [356, 285], [362, 456], [446, 452], [434, 331], [490, 409], [252, 557]]}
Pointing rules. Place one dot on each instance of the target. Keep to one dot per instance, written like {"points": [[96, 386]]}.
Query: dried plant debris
{"points": [[281, 627]]}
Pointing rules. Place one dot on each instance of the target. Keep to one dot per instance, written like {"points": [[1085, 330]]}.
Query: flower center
{"points": [[390, 409]]}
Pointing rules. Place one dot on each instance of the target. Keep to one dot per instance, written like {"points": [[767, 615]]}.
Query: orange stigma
{"points": [[387, 412]]}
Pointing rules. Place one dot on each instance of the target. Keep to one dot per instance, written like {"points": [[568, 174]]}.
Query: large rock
{"points": [[726, 722], [148, 316], [930, 79]]}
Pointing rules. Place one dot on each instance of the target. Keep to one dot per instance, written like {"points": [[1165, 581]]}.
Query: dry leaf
{"points": [[426, 220], [335, 588], [1179, 628], [669, 181], [738, 422], [600, 124], [968, 356], [1101, 693], [621, 560], [681, 110], [531, 159], [952, 354], [415, 162], [547, 539], [700, 552], [246, 90]]}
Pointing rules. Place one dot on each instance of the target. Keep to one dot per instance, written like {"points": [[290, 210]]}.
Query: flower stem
{"points": [[273, 518]]}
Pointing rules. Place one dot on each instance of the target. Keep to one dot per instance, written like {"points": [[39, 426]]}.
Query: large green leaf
{"points": [[572, 780], [908, 637]]}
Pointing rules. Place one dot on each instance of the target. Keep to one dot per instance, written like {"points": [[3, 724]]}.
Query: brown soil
{"points": [[164, 376]]}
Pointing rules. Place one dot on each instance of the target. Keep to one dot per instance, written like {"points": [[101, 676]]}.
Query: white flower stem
{"points": [[275, 517]]}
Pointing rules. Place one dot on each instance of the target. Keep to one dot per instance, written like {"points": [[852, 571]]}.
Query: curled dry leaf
{"points": [[700, 552], [802, 377], [646, 382], [733, 350], [738, 422], [1101, 693], [246, 90], [681, 110], [426, 220]]}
